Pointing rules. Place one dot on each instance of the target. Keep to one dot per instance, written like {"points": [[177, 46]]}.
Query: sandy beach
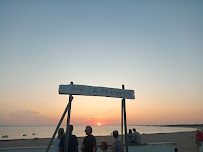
{"points": [[185, 141]]}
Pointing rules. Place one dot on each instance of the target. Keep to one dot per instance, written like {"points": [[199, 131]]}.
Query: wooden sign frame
{"points": [[96, 91], [73, 89]]}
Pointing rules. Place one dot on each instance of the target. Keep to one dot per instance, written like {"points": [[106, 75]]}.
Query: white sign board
{"points": [[96, 91]]}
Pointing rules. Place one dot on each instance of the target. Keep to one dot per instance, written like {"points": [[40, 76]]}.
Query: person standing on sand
{"points": [[57, 140], [89, 143], [72, 144], [199, 138], [104, 146], [136, 137], [117, 145]]}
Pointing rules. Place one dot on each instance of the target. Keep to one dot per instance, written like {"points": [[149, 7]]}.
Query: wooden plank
{"points": [[96, 91]]}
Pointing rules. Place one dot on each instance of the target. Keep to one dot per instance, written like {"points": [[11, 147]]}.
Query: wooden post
{"points": [[125, 123], [68, 124], [122, 121], [59, 124]]}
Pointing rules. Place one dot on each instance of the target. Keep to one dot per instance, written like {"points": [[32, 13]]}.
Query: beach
{"points": [[185, 141]]}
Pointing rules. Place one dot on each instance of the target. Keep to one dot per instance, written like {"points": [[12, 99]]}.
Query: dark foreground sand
{"points": [[185, 141]]}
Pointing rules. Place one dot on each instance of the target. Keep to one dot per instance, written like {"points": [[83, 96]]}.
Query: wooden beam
{"points": [[96, 91], [125, 123], [68, 124]]}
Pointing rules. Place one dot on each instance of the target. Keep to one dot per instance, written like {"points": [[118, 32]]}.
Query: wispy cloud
{"points": [[25, 114], [96, 117], [26, 117]]}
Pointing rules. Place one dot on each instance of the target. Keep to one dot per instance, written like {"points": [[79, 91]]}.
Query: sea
{"points": [[30, 132]]}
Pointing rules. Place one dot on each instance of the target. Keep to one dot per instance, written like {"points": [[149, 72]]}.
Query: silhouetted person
{"points": [[89, 143], [199, 138], [136, 137], [72, 144], [117, 145], [130, 136], [104, 146], [57, 139]]}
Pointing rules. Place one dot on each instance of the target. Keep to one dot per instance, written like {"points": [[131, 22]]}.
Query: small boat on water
{"points": [[5, 136]]}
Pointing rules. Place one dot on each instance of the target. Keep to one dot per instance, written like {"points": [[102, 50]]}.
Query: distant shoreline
{"points": [[198, 126], [174, 125]]}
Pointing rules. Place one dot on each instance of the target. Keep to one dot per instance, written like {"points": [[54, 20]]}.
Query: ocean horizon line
{"points": [[164, 125]]}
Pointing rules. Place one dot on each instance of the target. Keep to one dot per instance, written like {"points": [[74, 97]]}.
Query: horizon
{"points": [[107, 125], [153, 48]]}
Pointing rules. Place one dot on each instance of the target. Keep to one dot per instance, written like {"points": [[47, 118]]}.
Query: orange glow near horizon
{"points": [[102, 112]]}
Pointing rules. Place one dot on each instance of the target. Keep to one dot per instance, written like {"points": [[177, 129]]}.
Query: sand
{"points": [[185, 141]]}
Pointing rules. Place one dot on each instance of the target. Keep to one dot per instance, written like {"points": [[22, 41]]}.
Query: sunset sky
{"points": [[152, 47]]}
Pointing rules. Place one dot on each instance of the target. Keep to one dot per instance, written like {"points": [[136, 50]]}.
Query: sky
{"points": [[151, 47]]}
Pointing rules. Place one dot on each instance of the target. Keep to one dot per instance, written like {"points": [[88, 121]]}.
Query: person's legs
{"points": [[198, 143]]}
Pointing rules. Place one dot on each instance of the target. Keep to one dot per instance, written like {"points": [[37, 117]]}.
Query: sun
{"points": [[99, 124]]}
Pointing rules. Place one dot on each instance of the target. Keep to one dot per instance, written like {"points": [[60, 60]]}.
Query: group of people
{"points": [[134, 137], [89, 143], [59, 142]]}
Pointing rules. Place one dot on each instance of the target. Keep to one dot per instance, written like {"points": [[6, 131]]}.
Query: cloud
{"points": [[27, 117], [25, 114], [96, 117]]}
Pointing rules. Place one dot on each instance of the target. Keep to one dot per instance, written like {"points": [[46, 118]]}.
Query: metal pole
{"points": [[59, 124], [125, 123], [68, 124]]}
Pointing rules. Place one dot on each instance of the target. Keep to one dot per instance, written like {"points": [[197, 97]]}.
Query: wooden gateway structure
{"points": [[73, 89]]}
